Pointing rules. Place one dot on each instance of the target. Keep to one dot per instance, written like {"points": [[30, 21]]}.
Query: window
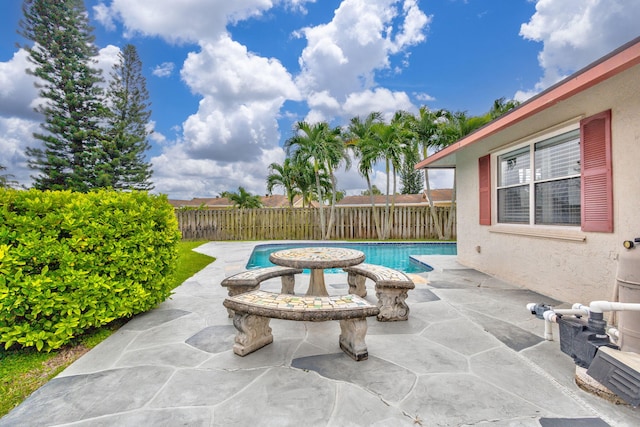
{"points": [[514, 176], [572, 183], [551, 195]]}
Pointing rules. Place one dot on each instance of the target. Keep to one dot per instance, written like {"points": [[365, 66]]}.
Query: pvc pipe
{"points": [[578, 309], [572, 311], [550, 316], [614, 333], [548, 331], [602, 306], [553, 315]]}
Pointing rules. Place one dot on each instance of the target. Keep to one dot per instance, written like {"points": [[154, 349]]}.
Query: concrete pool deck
{"points": [[470, 354]]}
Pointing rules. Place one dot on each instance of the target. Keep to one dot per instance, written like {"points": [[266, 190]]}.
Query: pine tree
{"points": [[5, 179], [127, 125], [411, 179], [63, 53]]}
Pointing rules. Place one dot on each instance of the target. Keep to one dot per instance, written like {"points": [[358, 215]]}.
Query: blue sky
{"points": [[228, 80]]}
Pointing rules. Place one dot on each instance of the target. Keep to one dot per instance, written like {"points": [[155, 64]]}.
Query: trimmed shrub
{"points": [[72, 261]]}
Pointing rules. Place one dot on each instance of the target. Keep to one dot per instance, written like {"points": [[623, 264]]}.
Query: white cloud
{"points": [[413, 27], [163, 70], [236, 122], [224, 69], [184, 177], [187, 21], [297, 5], [17, 88], [423, 97], [234, 135], [441, 178], [379, 99], [102, 14], [107, 57], [154, 135], [242, 97], [575, 33], [358, 42], [323, 107], [16, 135]]}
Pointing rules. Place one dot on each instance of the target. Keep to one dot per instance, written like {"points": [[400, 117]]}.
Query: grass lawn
{"points": [[23, 371]]}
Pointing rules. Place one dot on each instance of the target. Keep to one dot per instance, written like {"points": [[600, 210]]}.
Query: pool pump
{"points": [[614, 363], [579, 338]]}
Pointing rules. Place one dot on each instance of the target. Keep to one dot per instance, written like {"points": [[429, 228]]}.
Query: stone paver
{"points": [[469, 354]]}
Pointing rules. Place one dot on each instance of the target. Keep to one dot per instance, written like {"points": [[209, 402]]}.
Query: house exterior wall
{"points": [[564, 263]]}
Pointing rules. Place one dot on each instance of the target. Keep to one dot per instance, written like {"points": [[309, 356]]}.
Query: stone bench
{"points": [[250, 280], [253, 311], [391, 289]]}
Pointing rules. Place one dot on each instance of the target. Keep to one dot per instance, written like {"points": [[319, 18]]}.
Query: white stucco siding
{"points": [[626, 164], [568, 270]]}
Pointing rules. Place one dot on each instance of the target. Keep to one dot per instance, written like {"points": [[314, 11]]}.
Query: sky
{"points": [[228, 80]]}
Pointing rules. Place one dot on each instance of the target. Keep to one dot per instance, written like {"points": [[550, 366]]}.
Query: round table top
{"points": [[317, 257]]}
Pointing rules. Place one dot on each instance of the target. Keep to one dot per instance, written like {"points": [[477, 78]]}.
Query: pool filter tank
{"points": [[628, 282]]}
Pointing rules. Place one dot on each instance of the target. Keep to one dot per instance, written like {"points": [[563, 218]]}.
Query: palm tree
{"points": [[336, 155], [454, 127], [428, 127], [322, 146], [305, 179], [389, 143], [360, 135], [283, 176], [502, 106], [405, 150], [243, 199], [458, 125]]}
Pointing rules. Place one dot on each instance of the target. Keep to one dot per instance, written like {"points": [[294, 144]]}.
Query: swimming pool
{"points": [[393, 254]]}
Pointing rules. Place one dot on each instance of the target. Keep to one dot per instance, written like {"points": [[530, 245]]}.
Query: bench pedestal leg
{"points": [[316, 283], [253, 333], [357, 284], [288, 284], [352, 336], [392, 305]]}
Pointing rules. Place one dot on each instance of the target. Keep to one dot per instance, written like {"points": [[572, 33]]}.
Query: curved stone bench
{"points": [[249, 280], [391, 289], [253, 311]]}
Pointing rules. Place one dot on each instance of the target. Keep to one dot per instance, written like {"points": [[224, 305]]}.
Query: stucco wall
{"points": [[571, 271]]}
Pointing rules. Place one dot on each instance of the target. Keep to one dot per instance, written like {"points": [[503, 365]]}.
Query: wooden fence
{"points": [[409, 222]]}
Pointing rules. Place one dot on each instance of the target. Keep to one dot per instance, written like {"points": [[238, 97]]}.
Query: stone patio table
{"points": [[317, 259]]}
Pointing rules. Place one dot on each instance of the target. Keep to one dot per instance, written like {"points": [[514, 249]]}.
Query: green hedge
{"points": [[72, 261]]}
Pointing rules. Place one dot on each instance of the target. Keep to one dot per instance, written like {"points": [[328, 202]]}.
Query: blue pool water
{"points": [[394, 255]]}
